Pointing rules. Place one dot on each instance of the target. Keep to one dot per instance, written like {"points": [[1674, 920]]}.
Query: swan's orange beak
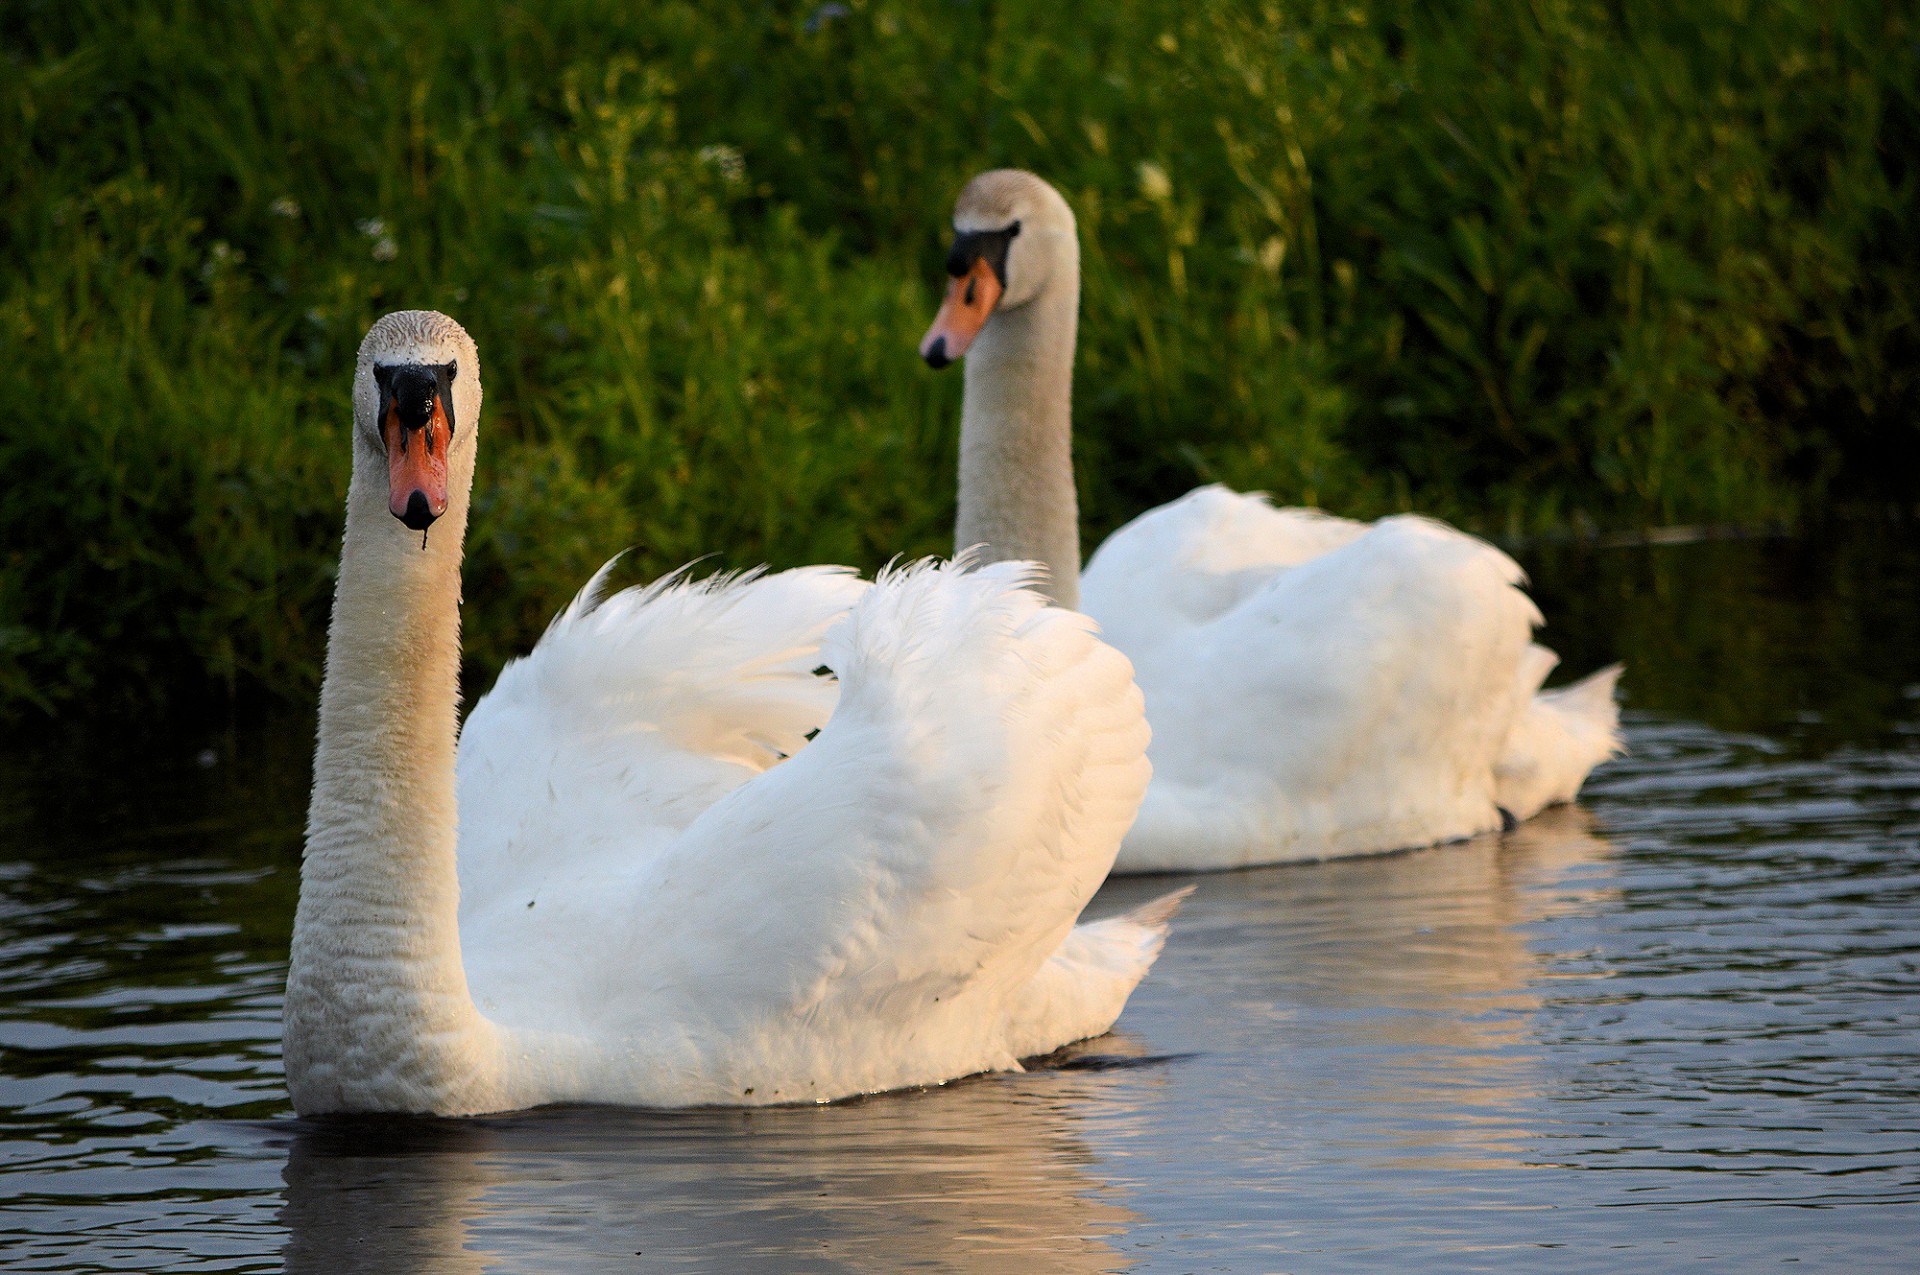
{"points": [[417, 463], [969, 304]]}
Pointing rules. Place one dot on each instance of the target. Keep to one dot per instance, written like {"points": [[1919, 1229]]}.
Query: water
{"points": [[1675, 1024]]}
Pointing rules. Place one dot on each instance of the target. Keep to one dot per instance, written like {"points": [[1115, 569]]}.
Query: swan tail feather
{"points": [[1081, 990], [1156, 915], [1561, 737]]}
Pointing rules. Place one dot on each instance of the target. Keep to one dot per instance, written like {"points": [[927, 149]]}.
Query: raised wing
{"points": [[882, 899], [631, 717]]}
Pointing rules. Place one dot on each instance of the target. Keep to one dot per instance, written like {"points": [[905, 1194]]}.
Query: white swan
{"points": [[1317, 687], [659, 892]]}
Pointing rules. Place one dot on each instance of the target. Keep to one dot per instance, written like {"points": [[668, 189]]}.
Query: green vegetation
{"points": [[1523, 263]]}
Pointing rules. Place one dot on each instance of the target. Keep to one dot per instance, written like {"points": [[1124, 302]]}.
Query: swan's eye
{"points": [[971, 285]]}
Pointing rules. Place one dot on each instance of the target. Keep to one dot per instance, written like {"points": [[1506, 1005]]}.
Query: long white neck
{"points": [[378, 1015], [1016, 434]]}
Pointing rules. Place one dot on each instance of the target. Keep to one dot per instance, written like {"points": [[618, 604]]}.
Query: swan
{"points": [[634, 879], [1317, 686]]}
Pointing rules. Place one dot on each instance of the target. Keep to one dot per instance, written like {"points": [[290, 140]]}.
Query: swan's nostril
{"points": [[418, 516], [936, 354]]}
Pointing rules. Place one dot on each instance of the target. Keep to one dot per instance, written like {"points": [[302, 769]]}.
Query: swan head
{"points": [[416, 411], [1013, 234]]}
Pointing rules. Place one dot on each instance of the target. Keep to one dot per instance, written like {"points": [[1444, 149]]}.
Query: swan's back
{"points": [[1320, 687], [1190, 561]]}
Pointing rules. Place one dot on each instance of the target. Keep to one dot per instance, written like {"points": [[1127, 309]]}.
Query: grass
{"points": [[1527, 264]]}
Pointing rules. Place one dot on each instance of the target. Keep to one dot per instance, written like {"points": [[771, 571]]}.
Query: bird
{"points": [[1317, 686], [771, 837]]}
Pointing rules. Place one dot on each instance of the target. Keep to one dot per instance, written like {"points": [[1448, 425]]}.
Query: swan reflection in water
{"points": [[982, 1175], [1386, 1005], [1390, 1003]]}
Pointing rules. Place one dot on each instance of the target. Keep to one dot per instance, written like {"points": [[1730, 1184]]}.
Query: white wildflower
{"points": [[725, 160]]}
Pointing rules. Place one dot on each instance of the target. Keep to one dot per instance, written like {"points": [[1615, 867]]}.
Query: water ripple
{"points": [[1678, 1023]]}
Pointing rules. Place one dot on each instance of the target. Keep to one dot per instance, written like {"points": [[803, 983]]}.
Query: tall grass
{"points": [[1524, 263]]}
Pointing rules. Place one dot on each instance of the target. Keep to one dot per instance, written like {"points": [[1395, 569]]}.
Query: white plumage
{"points": [[1317, 686], [1321, 687], [672, 861], [650, 840]]}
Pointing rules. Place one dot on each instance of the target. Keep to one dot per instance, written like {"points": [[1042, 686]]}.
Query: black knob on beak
{"points": [[414, 390]]}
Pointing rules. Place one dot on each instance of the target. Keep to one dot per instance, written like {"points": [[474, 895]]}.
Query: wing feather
{"points": [[874, 907], [1194, 559], [631, 716], [1354, 701]]}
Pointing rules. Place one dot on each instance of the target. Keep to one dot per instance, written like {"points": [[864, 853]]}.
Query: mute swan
{"points": [[1317, 687], [659, 891]]}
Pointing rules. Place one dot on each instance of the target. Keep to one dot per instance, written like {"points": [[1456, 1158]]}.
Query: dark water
{"points": [[1677, 1025]]}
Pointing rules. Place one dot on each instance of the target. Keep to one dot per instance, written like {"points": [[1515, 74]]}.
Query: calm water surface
{"points": [[1677, 1023]]}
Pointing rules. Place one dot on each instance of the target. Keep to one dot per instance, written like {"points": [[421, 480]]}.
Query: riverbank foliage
{"points": [[1529, 264]]}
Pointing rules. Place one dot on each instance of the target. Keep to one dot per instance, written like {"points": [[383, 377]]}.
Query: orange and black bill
{"points": [[977, 263], [416, 421]]}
